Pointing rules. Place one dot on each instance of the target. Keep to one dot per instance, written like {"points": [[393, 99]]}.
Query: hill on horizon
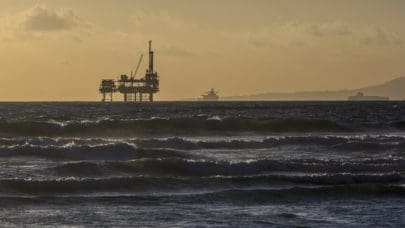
{"points": [[394, 89]]}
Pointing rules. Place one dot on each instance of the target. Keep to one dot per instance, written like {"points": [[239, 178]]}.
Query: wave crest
{"points": [[115, 151], [166, 126], [186, 167], [142, 183]]}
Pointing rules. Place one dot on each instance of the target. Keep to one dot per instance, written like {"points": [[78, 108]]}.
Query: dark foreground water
{"points": [[203, 164]]}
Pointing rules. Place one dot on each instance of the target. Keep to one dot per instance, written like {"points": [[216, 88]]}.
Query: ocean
{"points": [[196, 164]]}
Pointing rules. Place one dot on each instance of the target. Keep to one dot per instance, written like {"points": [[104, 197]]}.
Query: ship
{"points": [[211, 95], [361, 97]]}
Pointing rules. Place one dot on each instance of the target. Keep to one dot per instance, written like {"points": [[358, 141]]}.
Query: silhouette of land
{"points": [[393, 89]]}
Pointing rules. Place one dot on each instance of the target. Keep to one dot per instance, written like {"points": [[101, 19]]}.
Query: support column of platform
{"points": [[133, 97], [105, 97]]}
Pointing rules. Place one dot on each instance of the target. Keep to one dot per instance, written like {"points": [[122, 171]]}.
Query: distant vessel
{"points": [[211, 95], [361, 97]]}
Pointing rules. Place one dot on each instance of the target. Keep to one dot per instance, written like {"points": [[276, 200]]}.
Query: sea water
{"points": [[238, 164]]}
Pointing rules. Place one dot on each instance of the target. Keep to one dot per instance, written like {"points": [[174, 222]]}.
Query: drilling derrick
{"points": [[151, 77], [130, 87]]}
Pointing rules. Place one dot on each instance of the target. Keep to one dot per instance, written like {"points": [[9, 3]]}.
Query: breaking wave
{"points": [[187, 167], [346, 143], [197, 125], [334, 142], [142, 184], [302, 193], [116, 151], [232, 196]]}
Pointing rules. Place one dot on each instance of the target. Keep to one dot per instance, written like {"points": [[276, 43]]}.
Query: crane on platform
{"points": [[133, 74]]}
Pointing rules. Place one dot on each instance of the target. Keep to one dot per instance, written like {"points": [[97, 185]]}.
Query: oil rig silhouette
{"points": [[133, 90]]}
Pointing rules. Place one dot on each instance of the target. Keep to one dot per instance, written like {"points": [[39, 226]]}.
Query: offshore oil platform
{"points": [[133, 89]]}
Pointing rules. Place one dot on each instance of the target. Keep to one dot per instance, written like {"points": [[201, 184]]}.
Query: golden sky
{"points": [[61, 49]]}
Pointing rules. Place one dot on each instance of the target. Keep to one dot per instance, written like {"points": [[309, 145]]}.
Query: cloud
{"points": [[299, 34], [42, 23], [257, 42], [43, 19], [377, 36], [156, 20], [325, 35], [175, 51], [328, 29], [298, 43]]}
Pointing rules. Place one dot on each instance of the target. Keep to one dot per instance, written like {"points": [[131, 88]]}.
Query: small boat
{"points": [[361, 97]]}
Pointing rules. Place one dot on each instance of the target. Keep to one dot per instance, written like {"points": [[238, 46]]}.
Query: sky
{"points": [[59, 50]]}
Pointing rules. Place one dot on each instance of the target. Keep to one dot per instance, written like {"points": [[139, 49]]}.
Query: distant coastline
{"points": [[394, 89]]}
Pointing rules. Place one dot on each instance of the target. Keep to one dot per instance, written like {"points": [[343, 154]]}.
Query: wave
{"points": [[115, 151], [54, 141], [187, 167], [399, 124], [351, 143], [332, 142], [231, 196], [301, 193], [197, 125], [206, 168], [146, 184]]}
